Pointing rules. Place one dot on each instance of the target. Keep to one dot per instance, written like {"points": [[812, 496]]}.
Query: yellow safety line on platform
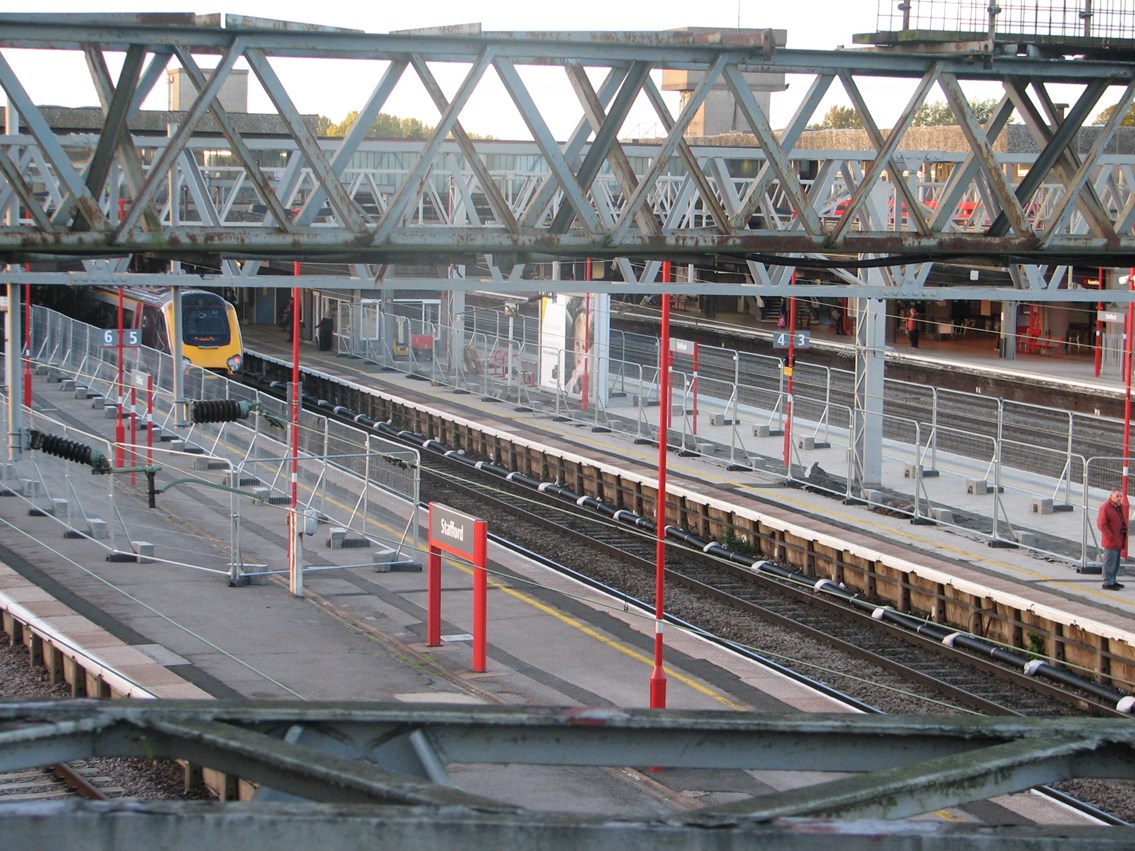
{"points": [[602, 639]]}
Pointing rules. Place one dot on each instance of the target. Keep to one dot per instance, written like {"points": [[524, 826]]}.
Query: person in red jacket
{"points": [[1112, 523]]}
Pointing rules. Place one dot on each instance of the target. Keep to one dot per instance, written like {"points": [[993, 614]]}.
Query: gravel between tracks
{"points": [[874, 686], [138, 779]]}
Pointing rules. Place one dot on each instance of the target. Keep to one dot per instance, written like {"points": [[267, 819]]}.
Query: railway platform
{"points": [[1028, 574], [358, 634], [167, 628]]}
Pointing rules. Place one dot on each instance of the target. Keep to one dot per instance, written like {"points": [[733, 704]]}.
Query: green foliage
{"points": [[384, 127], [940, 113], [731, 541], [1105, 116], [839, 118]]}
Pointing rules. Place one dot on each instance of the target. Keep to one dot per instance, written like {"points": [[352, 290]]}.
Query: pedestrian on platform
{"points": [[1112, 523], [286, 319], [912, 326], [837, 320]]}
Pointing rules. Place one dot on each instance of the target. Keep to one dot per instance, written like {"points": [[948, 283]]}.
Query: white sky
{"points": [[62, 79]]}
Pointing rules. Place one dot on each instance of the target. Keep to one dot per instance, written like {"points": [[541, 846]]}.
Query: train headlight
{"points": [[235, 362]]}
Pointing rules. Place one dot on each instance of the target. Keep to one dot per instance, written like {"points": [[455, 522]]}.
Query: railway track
{"points": [[740, 604], [57, 782], [737, 604]]}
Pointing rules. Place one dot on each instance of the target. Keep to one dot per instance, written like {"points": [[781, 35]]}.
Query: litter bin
{"points": [[325, 329]]}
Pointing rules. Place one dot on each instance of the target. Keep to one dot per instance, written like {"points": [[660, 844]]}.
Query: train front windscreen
{"points": [[204, 320]]}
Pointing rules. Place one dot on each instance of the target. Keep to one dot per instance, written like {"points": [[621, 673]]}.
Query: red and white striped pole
{"points": [[1128, 330], [119, 426], [295, 570], [658, 674]]}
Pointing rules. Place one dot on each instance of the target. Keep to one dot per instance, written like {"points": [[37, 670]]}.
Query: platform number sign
{"points": [[130, 337], [799, 339]]}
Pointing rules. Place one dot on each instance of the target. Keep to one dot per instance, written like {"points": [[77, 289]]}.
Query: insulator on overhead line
{"points": [[69, 450], [220, 410]]}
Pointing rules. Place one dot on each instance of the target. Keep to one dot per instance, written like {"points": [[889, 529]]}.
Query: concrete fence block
{"points": [[1040, 505], [977, 487]]}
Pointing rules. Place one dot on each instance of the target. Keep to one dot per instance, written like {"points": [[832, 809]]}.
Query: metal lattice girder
{"points": [[391, 754], [591, 195]]}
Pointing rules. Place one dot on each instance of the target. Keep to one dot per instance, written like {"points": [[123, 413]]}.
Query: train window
{"points": [[154, 329], [205, 321]]}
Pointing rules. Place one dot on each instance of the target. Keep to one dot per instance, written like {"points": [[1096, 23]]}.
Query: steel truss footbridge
{"points": [[201, 189], [218, 189]]}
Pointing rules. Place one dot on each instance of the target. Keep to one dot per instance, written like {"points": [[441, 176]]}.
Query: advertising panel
{"points": [[575, 332]]}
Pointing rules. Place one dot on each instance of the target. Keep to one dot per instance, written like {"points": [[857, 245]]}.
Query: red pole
{"points": [[480, 596], [293, 517], [119, 426], [1128, 329], [433, 597], [658, 675]]}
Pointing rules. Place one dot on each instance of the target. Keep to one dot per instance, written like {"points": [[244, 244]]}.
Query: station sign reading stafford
{"points": [[454, 531]]}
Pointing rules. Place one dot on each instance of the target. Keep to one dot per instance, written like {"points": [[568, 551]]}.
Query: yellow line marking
{"points": [[608, 642]]}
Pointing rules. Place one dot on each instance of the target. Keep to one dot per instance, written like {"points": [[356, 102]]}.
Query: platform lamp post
{"points": [[295, 571], [658, 674]]}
